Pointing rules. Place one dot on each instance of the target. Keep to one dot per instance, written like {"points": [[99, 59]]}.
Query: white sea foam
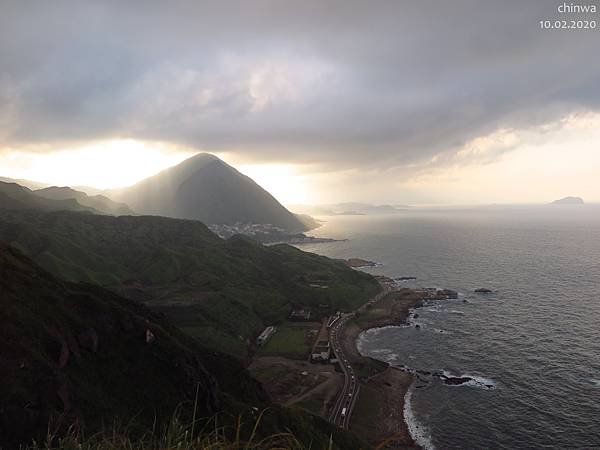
{"points": [[481, 382], [371, 332], [381, 351], [391, 358], [359, 344], [595, 382], [419, 433]]}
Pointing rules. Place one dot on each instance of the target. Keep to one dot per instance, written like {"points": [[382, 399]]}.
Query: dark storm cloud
{"points": [[381, 83]]}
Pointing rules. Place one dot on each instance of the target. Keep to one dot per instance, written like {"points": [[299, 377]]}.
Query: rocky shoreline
{"points": [[387, 427], [386, 384]]}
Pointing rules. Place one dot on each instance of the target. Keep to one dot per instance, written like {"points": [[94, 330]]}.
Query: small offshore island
{"points": [[569, 201]]}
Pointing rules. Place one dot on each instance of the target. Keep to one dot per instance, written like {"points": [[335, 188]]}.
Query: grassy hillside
{"points": [[73, 353], [222, 292]]}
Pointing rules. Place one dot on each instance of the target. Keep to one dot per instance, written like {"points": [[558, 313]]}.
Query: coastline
{"points": [[381, 417]]}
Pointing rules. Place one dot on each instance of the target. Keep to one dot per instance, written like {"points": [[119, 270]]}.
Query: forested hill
{"points": [[222, 291], [74, 354]]}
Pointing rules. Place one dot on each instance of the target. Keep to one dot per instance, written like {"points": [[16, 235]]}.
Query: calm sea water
{"points": [[536, 340]]}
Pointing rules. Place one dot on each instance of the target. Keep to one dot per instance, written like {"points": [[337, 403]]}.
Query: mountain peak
{"points": [[206, 188], [202, 157], [200, 160]]}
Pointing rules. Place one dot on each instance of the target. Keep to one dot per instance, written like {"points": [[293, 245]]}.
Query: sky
{"points": [[428, 102]]}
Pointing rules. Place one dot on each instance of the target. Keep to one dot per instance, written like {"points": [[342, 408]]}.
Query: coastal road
{"points": [[344, 405], [340, 415]]}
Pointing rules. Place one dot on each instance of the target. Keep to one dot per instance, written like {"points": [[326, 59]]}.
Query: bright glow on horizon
{"points": [[120, 163], [534, 165], [281, 180], [103, 165]]}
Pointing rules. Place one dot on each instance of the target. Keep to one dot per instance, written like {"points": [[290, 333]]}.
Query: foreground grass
{"points": [[312, 405], [176, 435]]}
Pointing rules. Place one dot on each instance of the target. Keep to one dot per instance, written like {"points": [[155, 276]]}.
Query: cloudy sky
{"points": [[320, 101]]}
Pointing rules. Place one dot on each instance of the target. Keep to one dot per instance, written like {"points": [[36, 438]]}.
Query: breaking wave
{"points": [[419, 433]]}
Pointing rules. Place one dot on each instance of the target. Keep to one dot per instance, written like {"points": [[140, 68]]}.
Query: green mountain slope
{"points": [[207, 189], [221, 291], [78, 354], [100, 203]]}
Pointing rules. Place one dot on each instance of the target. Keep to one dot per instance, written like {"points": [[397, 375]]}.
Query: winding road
{"points": [[344, 405]]}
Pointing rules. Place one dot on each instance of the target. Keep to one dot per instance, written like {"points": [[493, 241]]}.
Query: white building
{"points": [[265, 335]]}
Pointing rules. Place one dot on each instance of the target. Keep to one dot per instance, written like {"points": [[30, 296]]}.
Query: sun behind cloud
{"points": [[103, 165]]}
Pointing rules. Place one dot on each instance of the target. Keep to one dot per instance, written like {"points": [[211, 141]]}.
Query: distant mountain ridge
{"points": [[16, 197], [349, 209], [205, 188], [98, 202], [33, 185]]}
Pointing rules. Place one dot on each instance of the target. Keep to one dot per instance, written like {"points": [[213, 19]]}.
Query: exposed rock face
{"points": [[483, 291], [358, 262], [441, 294], [456, 381]]}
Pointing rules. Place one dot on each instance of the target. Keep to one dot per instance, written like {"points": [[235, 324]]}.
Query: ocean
{"points": [[532, 347]]}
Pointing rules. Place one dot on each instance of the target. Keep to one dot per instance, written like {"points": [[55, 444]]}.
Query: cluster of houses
{"points": [[300, 314], [247, 229], [321, 351]]}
